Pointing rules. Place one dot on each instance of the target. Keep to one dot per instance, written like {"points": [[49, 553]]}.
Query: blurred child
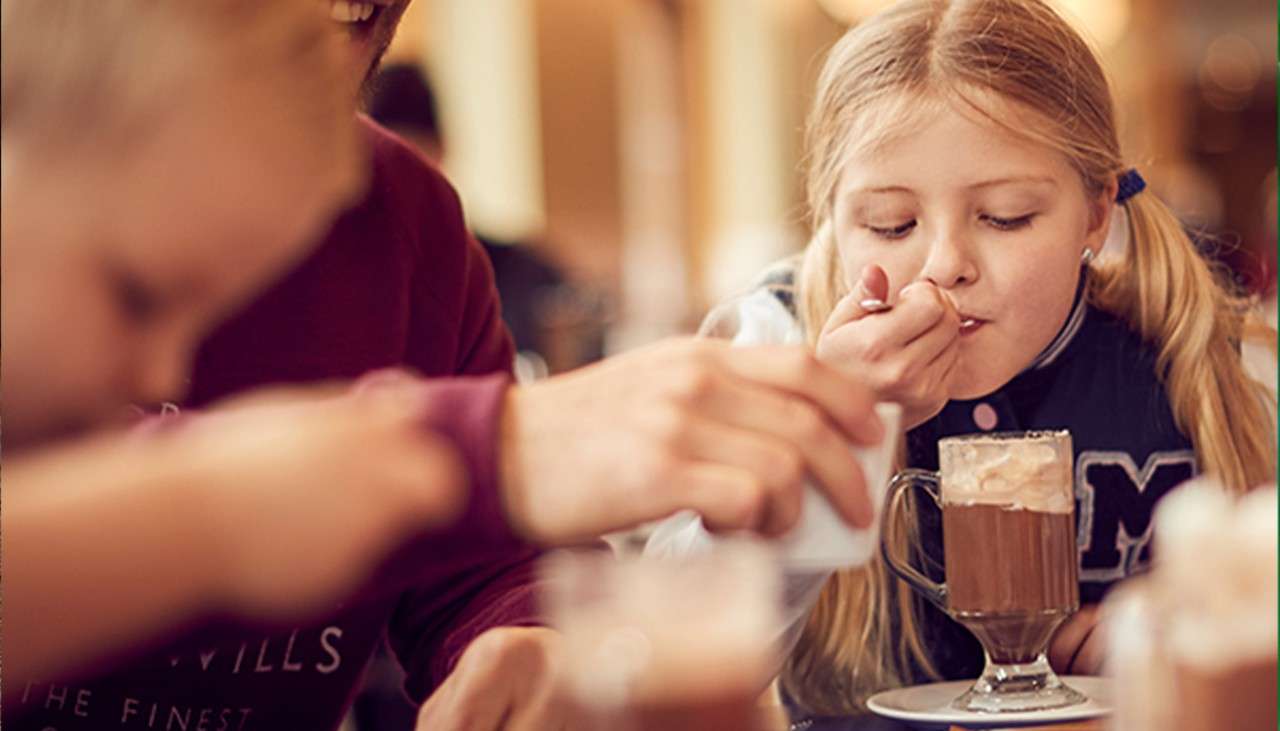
{"points": [[161, 162]]}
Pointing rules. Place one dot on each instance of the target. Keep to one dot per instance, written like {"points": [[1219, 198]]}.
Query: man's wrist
{"points": [[511, 484]]}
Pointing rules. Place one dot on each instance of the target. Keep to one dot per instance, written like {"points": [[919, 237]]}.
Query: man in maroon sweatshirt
{"points": [[400, 283]]}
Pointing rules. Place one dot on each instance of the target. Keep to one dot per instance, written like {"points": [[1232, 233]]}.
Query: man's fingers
{"points": [[847, 402], [727, 497], [782, 439], [779, 467], [465, 709], [547, 710], [471, 699]]}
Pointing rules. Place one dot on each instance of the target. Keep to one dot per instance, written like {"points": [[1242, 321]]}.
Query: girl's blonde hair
{"points": [[97, 76], [863, 634]]}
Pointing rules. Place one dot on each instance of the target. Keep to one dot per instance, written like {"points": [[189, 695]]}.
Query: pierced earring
{"points": [[1086, 257]]}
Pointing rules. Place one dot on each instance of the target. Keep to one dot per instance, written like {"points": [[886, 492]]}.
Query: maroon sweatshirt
{"points": [[398, 282]]}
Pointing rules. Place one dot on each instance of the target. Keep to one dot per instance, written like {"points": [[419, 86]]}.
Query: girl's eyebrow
{"points": [[1040, 179], [882, 189]]}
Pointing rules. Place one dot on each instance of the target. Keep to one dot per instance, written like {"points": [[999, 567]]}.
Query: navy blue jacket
{"points": [[1098, 380]]}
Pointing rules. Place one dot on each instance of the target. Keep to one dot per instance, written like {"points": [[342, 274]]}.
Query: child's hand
{"points": [[304, 492], [905, 352], [1079, 647]]}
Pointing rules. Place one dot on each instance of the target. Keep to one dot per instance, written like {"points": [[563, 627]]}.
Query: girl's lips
{"points": [[970, 325]]}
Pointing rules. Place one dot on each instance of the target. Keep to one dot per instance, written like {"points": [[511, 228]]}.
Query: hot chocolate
{"points": [[1011, 576], [1010, 555], [1009, 539], [1193, 644]]}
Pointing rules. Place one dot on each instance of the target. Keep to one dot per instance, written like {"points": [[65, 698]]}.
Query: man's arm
{"points": [[481, 575]]}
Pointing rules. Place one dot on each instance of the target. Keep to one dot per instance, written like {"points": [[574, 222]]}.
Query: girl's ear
{"points": [[1100, 208]]}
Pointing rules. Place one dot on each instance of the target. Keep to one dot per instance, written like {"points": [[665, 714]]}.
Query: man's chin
{"points": [[370, 43]]}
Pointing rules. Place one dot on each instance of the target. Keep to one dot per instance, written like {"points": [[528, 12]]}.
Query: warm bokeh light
{"points": [[1104, 20], [851, 11]]}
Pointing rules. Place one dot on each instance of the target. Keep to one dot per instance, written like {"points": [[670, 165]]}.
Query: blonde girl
{"points": [[963, 168]]}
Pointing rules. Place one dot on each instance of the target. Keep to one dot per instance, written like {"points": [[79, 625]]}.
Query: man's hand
{"points": [[505, 680], [732, 433], [510, 679]]}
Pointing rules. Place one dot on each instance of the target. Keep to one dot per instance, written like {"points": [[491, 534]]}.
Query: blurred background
{"points": [[630, 162]]}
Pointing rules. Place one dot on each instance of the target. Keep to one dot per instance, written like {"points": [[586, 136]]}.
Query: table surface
{"points": [[875, 723]]}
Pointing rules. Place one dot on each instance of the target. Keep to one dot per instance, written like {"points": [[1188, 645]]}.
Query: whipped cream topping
{"points": [[1030, 471], [1216, 560]]}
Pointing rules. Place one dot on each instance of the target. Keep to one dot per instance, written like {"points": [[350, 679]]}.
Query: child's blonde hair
{"points": [[81, 77], [864, 634]]}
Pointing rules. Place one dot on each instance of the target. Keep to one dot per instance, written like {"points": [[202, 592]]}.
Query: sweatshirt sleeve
{"points": [[476, 574]]}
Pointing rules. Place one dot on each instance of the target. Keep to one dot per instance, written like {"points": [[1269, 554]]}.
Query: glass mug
{"points": [[1192, 644], [1010, 558], [653, 643]]}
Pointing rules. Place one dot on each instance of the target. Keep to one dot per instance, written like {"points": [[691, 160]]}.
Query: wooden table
{"points": [[1077, 726]]}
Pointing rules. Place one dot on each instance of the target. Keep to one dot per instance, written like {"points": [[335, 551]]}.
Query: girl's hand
{"points": [[1079, 647], [904, 352]]}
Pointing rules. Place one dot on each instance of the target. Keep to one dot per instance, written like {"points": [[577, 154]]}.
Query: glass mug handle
{"points": [[929, 589]]}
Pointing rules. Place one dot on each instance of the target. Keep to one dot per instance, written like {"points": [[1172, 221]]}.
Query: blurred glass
{"points": [[1192, 646], [666, 644]]}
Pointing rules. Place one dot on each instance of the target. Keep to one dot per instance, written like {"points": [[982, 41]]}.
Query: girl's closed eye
{"points": [[892, 231], [1013, 223]]}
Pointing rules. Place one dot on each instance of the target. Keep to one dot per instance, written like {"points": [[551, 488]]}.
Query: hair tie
{"points": [[1131, 184]]}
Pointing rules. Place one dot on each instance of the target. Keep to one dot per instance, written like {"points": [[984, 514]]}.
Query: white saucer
{"points": [[928, 707]]}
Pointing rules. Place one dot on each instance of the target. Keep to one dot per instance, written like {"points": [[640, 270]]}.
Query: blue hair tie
{"points": [[1131, 184]]}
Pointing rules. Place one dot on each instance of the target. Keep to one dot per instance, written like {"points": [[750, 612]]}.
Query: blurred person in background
{"points": [[556, 325], [397, 282]]}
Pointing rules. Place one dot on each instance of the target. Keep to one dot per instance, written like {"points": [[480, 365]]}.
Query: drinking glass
{"points": [[1009, 554], [659, 643]]}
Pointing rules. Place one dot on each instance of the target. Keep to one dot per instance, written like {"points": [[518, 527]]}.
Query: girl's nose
{"points": [[950, 263]]}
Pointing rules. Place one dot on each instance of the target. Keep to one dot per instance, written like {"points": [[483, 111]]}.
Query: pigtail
{"points": [[1167, 292]]}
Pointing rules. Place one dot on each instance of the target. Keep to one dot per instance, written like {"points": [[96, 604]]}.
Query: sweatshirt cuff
{"points": [[468, 413]]}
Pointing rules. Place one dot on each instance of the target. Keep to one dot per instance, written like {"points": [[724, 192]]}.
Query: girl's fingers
{"points": [[914, 315], [933, 343], [869, 295], [872, 288]]}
